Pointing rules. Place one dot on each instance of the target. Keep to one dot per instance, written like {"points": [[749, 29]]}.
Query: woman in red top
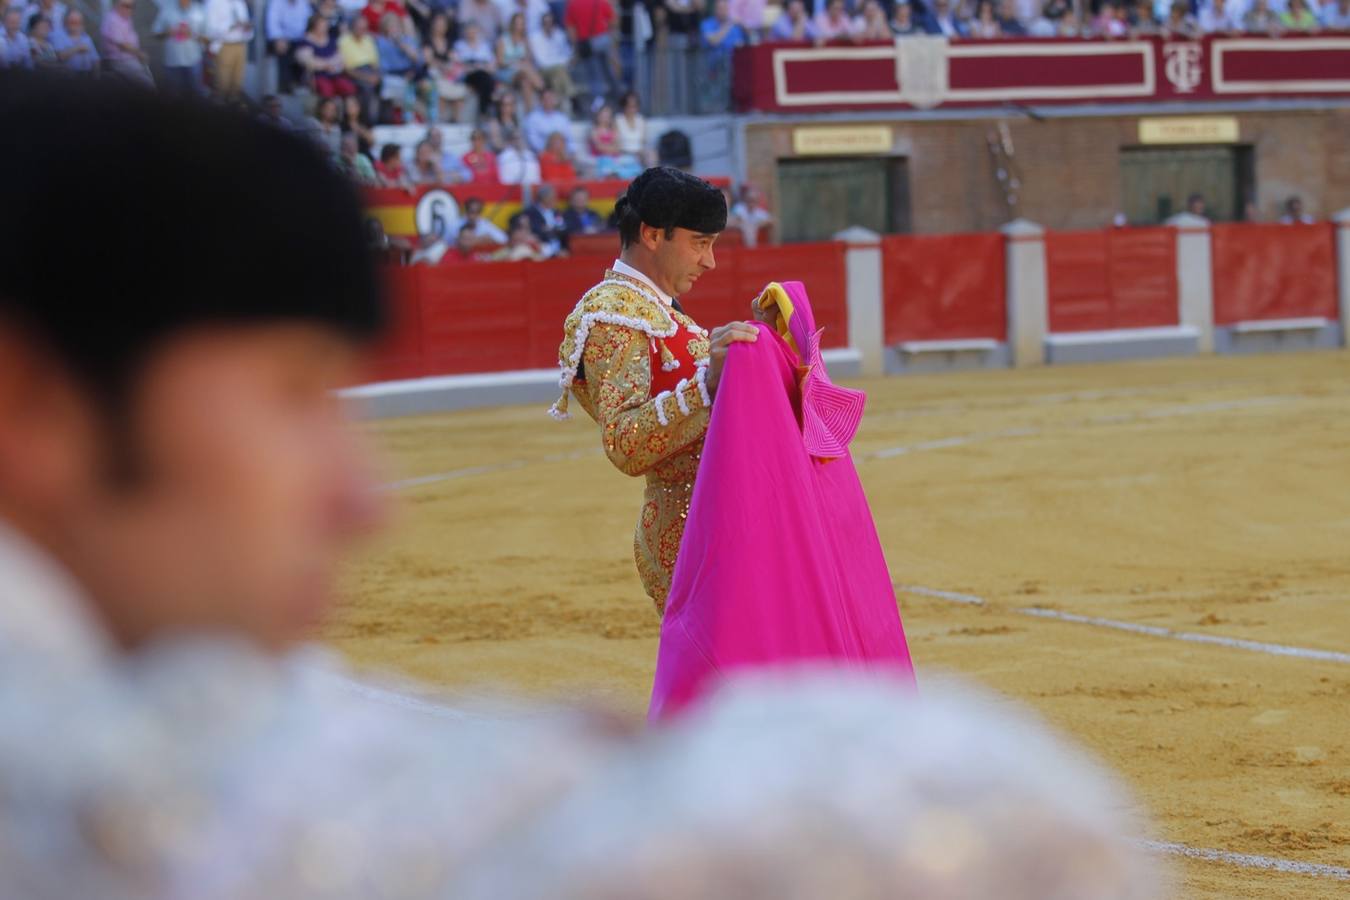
{"points": [[555, 164], [376, 10], [480, 160]]}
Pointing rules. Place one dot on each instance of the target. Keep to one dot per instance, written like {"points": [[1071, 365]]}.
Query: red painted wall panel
{"points": [[944, 287]]}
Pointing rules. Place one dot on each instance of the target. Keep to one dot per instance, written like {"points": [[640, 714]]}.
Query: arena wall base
{"points": [[1278, 336], [1128, 343], [920, 357], [448, 393]]}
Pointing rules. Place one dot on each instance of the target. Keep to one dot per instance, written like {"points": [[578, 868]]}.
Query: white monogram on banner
{"points": [[1181, 65]]}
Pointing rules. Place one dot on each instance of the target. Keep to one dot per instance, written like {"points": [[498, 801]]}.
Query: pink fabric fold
{"points": [[780, 562]]}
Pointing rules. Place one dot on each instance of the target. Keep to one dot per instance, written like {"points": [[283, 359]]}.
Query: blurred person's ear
{"points": [[48, 433]]}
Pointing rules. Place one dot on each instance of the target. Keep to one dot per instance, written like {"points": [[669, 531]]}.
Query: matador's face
{"points": [[682, 258]]}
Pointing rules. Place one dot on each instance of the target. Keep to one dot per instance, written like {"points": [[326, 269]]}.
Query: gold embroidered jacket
{"points": [[624, 338]]}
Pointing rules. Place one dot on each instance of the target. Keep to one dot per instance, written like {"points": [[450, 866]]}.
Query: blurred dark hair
{"points": [[191, 215]]}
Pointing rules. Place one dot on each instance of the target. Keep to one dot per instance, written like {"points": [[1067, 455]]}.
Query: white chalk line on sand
{"points": [[1136, 628], [960, 440], [1161, 412], [1249, 860]]}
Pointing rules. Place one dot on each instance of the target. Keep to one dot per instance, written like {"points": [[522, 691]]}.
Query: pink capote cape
{"points": [[780, 561]]}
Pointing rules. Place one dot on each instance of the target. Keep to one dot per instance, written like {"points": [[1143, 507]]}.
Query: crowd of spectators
{"points": [[734, 23], [545, 226]]}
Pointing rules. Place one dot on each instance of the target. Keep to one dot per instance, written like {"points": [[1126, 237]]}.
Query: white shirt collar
{"points": [[624, 268], [42, 608]]}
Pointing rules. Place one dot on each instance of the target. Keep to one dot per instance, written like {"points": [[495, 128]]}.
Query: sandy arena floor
{"points": [[1206, 496]]}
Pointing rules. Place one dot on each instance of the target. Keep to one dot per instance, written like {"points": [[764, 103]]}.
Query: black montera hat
{"points": [[665, 197]]}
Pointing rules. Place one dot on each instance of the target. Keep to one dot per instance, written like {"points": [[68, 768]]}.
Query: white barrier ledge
{"points": [[1121, 336], [965, 345], [1264, 326]]}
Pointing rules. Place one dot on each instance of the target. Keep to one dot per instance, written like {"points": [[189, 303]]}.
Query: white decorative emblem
{"points": [[436, 212], [921, 69], [1181, 65]]}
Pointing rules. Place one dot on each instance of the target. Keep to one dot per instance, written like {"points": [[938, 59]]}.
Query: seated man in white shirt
{"points": [[1294, 214], [551, 50], [517, 163], [545, 119]]}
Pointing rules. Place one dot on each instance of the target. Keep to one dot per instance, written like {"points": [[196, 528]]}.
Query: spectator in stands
{"points": [[543, 219], [480, 161], [475, 53], [1337, 15], [121, 44], [1298, 17], [40, 43], [1180, 23], [505, 120], [54, 11], [749, 14], [986, 24], [1293, 212], [426, 167], [181, 24], [333, 15], [1216, 17], [355, 163], [15, 49], [438, 53], [74, 47], [361, 63], [1009, 22], [631, 127], [1139, 15], [483, 13], [517, 163], [405, 79], [720, 33], [284, 27], [318, 57], [452, 170], [610, 159], [874, 26], [390, 168], [751, 214], [522, 245], [942, 20], [556, 163], [552, 54], [902, 20], [375, 11], [514, 66], [477, 232], [795, 25], [588, 23], [357, 123], [544, 120], [229, 25], [1260, 18], [326, 126], [579, 218], [1195, 204], [269, 111], [1047, 24], [1111, 21]]}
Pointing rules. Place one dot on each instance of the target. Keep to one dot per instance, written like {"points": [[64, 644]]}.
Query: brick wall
{"points": [[1071, 167]]}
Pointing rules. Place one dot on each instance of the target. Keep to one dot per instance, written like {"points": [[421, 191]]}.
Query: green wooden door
{"points": [[821, 196], [1156, 181]]}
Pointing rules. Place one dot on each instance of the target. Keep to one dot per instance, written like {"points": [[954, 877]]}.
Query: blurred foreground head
{"points": [[180, 289], [795, 787]]}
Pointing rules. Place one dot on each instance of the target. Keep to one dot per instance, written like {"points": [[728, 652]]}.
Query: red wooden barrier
{"points": [[1113, 278], [495, 317], [1273, 272], [943, 287]]}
